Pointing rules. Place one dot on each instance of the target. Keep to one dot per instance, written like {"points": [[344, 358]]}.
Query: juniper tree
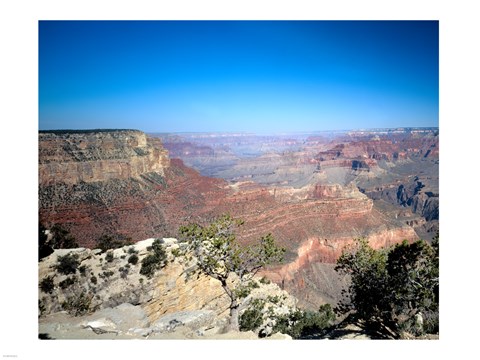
{"points": [[219, 255], [394, 285]]}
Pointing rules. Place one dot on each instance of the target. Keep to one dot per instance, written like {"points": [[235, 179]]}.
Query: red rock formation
{"points": [[128, 187]]}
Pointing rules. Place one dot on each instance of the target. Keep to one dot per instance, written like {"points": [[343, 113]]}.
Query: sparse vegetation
{"points": [[67, 264], [302, 323], [69, 281], [131, 250], [176, 252], [155, 261], [298, 323], [219, 255], [44, 248], [108, 242], [78, 305], [47, 284], [109, 256], [252, 318], [133, 259], [83, 270], [123, 272], [62, 239], [264, 281]]}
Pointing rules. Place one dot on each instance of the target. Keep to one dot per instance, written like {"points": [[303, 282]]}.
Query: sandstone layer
{"points": [[315, 200]]}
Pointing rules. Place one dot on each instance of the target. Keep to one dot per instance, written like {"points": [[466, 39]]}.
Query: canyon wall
{"points": [[77, 157], [123, 184]]}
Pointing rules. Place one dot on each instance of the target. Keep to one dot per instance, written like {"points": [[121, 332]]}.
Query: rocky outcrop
{"points": [[118, 183], [94, 156], [106, 296]]}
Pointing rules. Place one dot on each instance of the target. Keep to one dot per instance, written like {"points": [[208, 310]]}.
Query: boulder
{"points": [[123, 318]]}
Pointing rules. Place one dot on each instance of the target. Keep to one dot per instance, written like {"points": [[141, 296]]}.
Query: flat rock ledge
{"points": [[127, 321]]}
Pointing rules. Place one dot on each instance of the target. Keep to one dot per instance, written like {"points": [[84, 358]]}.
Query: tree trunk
{"points": [[234, 325]]}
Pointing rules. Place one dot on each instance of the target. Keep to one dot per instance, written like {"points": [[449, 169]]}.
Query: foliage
{"points": [[155, 261], [133, 259], [78, 305], [297, 324], [219, 255], [393, 286], [94, 280], [47, 284], [252, 318], [107, 242], [83, 269], [61, 238], [67, 264], [69, 281], [109, 256], [44, 248], [302, 323], [264, 280]]}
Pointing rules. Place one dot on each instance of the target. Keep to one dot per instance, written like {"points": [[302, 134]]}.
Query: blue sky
{"points": [[255, 76]]}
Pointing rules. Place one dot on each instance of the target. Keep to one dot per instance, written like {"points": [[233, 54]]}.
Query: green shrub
{"points": [[302, 323], [392, 286], [93, 279], [107, 242], [69, 281], [109, 256], [62, 239], [47, 285], [83, 270], [264, 281], [150, 264], [155, 261], [133, 259], [67, 264], [252, 318], [107, 274]]}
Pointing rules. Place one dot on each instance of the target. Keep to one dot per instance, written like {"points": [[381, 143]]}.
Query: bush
{"points": [[150, 264], [67, 264], [107, 242], [69, 281], [62, 239], [83, 270], [44, 247], [133, 259], [47, 285], [264, 281], [94, 280], [109, 256], [252, 318], [303, 323], [393, 286], [78, 305], [155, 261]]}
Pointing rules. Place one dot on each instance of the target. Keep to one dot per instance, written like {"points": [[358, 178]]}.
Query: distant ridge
{"points": [[87, 131]]}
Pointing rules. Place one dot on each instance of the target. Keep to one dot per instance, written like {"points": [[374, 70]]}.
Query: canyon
{"points": [[315, 193]]}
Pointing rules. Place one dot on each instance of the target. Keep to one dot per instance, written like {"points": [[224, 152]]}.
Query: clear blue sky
{"points": [[256, 76]]}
